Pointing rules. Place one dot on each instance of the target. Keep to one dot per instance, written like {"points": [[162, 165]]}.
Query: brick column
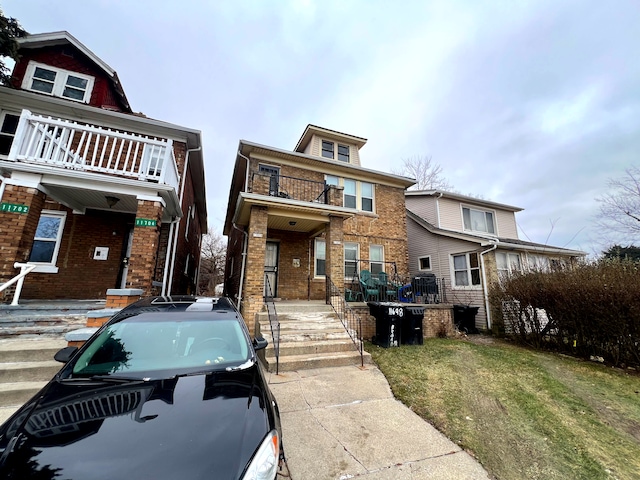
{"points": [[17, 231], [144, 248], [253, 289], [335, 195], [335, 251]]}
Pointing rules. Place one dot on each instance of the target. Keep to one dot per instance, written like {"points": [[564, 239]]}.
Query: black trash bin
{"points": [[389, 318], [411, 332], [464, 317]]}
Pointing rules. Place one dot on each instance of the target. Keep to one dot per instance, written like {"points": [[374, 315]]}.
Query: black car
{"points": [[169, 388]]}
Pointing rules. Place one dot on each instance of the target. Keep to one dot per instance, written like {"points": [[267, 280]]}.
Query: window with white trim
{"points": [[327, 149], [343, 153], [58, 82], [320, 257], [8, 127], [357, 195], [424, 263], [350, 260], [538, 262], [508, 263], [46, 242], [376, 259], [478, 220], [466, 270]]}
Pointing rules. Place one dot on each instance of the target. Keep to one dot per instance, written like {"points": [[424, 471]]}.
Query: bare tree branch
{"points": [[620, 208], [213, 253], [425, 171]]}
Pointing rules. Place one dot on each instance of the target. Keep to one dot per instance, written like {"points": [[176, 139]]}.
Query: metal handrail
{"points": [[348, 316], [25, 269], [274, 323], [293, 188]]}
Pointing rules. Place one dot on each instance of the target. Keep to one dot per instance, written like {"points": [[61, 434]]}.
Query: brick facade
{"points": [[254, 273], [144, 248]]}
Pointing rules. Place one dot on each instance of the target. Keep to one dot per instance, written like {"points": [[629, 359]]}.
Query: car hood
{"points": [[198, 427]]}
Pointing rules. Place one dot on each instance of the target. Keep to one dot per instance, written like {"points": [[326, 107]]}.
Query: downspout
{"points": [[177, 230], [484, 284], [246, 235], [438, 208], [167, 260], [244, 259]]}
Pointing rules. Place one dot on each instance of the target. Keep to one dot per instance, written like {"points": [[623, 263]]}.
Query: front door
{"points": [[124, 263], [271, 269]]}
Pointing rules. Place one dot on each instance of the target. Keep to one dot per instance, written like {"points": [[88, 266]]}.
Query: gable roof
{"points": [[500, 242], [39, 40], [462, 198]]}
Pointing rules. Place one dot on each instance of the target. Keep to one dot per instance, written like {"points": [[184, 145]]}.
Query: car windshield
{"points": [[161, 342]]}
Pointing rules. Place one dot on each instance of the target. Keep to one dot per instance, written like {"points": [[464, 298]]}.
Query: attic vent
{"points": [[67, 51]]}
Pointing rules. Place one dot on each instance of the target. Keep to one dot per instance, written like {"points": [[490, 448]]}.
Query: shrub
{"points": [[590, 310]]}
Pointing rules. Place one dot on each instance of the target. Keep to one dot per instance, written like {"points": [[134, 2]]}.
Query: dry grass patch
{"points": [[523, 414]]}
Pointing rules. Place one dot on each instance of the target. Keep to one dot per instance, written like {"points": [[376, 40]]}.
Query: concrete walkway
{"points": [[343, 422]]}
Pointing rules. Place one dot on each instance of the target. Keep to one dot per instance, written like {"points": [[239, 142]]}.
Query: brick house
{"points": [[296, 217], [94, 195], [471, 243]]}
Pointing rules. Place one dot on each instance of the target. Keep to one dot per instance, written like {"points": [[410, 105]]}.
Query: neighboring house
{"points": [[94, 195], [296, 217], [471, 243]]}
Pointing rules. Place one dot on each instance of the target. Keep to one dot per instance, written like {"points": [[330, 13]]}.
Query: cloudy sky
{"points": [[530, 103]]}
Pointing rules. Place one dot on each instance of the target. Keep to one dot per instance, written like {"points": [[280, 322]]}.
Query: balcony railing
{"points": [[71, 145], [291, 188]]}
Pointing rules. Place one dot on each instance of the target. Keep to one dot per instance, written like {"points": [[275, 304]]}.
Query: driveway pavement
{"points": [[343, 422]]}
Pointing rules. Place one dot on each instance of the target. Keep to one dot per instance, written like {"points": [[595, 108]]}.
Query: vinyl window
{"points": [[478, 220], [508, 263], [466, 270], [376, 259], [8, 127], [424, 263], [58, 82], [46, 242], [327, 149], [343, 153], [350, 260], [320, 257]]}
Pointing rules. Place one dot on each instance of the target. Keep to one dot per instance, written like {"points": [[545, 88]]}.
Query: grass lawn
{"points": [[523, 414]]}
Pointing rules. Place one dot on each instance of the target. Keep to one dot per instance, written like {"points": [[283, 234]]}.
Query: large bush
{"points": [[589, 310]]}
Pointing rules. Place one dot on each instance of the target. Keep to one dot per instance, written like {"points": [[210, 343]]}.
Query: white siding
{"points": [[450, 214], [506, 221], [424, 207], [421, 243]]}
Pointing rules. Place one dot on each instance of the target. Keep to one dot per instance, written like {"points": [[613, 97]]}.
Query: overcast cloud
{"points": [[530, 103]]}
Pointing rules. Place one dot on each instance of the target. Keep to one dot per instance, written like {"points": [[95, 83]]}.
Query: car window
{"points": [[141, 345]]}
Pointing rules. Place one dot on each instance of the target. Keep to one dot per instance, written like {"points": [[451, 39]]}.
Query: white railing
{"points": [[25, 269], [67, 144]]}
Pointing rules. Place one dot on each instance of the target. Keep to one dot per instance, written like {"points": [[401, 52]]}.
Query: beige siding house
{"points": [[471, 243]]}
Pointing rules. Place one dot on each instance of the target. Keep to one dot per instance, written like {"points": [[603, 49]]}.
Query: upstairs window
{"points": [[57, 82], [357, 195], [350, 193], [478, 220], [466, 270], [367, 196], [327, 149], [8, 127], [343, 153]]}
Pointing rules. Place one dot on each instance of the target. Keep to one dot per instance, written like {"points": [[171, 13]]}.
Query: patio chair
{"points": [[369, 287], [389, 290]]}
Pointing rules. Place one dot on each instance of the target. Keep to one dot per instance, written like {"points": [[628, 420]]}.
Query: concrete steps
{"points": [[26, 365], [311, 336]]}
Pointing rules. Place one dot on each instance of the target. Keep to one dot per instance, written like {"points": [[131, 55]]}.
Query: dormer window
{"points": [[478, 220], [328, 151], [57, 82]]}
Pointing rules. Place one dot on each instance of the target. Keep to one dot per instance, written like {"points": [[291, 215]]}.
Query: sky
{"points": [[534, 104]]}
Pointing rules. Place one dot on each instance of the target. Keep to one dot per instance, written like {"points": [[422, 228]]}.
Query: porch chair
{"points": [[389, 290], [369, 287]]}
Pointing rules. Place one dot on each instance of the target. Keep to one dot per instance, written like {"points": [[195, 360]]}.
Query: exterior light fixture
{"points": [[111, 201], [292, 223]]}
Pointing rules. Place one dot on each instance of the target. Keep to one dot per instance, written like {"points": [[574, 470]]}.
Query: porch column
{"points": [[335, 251], [253, 290], [144, 247], [19, 216]]}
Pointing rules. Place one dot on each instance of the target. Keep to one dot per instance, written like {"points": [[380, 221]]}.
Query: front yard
{"points": [[523, 414]]}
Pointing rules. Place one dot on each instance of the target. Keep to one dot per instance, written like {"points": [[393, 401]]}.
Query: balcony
{"points": [[291, 188], [55, 142]]}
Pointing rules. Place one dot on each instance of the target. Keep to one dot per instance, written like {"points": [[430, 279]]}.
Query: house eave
{"points": [[462, 198]]}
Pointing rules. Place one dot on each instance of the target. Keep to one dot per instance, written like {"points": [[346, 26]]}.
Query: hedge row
{"points": [[591, 310]]}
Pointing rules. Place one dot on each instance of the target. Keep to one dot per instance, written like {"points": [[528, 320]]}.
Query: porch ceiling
{"points": [[290, 215]]}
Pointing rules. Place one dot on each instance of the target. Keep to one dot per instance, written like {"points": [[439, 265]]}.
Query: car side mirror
{"points": [[65, 354], [260, 343]]}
